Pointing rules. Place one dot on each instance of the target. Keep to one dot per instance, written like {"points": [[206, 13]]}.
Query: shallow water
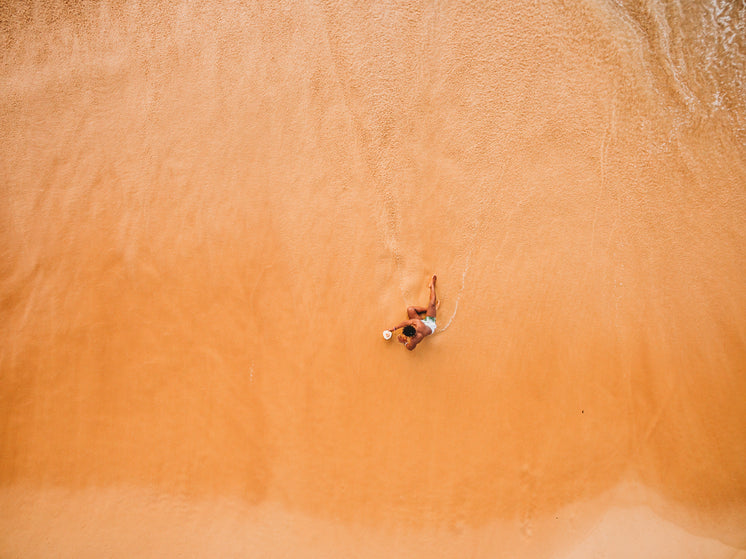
{"points": [[210, 214]]}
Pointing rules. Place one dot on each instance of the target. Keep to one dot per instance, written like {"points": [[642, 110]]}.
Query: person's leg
{"points": [[415, 312], [432, 306]]}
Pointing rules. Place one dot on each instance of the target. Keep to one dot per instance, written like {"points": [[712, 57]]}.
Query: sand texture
{"points": [[210, 211]]}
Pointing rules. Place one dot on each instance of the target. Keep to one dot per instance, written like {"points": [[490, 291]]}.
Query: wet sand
{"points": [[210, 214]]}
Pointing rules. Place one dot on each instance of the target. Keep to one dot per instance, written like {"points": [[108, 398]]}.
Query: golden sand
{"points": [[209, 214]]}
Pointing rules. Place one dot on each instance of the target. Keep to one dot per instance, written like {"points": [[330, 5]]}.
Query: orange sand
{"points": [[209, 214]]}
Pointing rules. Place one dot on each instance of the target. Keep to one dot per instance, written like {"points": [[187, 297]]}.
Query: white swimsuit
{"points": [[430, 323]]}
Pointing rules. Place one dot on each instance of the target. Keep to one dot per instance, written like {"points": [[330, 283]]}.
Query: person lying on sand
{"points": [[416, 329]]}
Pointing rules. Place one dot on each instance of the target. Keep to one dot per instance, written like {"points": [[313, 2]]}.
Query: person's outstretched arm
{"points": [[402, 325]]}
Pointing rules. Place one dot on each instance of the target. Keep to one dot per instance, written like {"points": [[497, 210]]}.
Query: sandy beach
{"points": [[210, 213]]}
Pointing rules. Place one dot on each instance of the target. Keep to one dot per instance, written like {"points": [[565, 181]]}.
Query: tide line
{"points": [[461, 290]]}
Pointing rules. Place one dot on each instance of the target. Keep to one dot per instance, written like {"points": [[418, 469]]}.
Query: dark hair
{"points": [[409, 331]]}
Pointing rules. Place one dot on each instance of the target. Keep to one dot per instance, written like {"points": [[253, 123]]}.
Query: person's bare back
{"points": [[416, 328]]}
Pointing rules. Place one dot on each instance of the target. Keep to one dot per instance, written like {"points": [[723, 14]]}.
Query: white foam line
{"points": [[460, 291], [477, 228]]}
